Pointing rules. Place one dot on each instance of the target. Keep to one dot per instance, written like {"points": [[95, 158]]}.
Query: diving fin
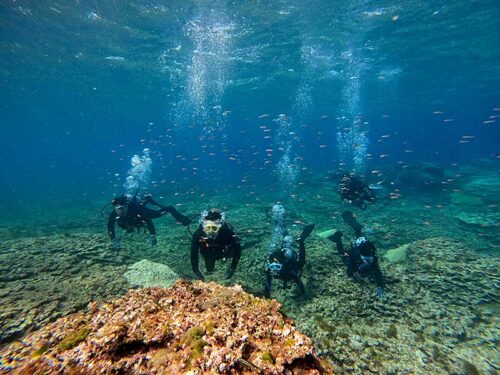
{"points": [[306, 232]]}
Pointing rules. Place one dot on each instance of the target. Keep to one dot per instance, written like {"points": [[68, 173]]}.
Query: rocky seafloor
{"points": [[190, 328], [439, 253]]}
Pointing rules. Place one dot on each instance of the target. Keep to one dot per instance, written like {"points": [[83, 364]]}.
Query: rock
{"points": [[484, 219], [326, 233], [396, 255], [426, 176], [148, 274], [191, 327], [462, 199]]}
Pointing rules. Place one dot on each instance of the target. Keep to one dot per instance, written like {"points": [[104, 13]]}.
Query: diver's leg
{"points": [[184, 220], [364, 269], [350, 220], [152, 214]]}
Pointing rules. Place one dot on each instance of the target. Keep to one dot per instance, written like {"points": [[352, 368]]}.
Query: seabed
{"points": [[438, 250]]}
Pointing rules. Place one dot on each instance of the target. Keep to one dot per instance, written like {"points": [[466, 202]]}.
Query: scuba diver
{"points": [[353, 190], [214, 239], [360, 257], [283, 262], [131, 214]]}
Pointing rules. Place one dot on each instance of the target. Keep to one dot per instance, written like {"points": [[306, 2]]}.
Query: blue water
{"points": [[85, 85]]}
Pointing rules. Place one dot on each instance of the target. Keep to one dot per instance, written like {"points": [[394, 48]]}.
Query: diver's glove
{"points": [[199, 276], [381, 294], [230, 272], [117, 244], [152, 240]]}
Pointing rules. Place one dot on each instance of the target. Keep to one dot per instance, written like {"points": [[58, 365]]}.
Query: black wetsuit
{"points": [[224, 246], [352, 259], [354, 190], [291, 268], [139, 216]]}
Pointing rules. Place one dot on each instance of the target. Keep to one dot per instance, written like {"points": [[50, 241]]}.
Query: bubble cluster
{"points": [[287, 169], [279, 227], [139, 175]]}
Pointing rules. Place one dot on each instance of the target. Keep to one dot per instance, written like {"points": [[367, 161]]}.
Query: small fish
{"points": [[264, 115], [115, 58]]}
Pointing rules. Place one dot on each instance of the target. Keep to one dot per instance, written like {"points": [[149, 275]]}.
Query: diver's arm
{"points": [[298, 281], [111, 225], [236, 251], [150, 225], [377, 274], [267, 288], [195, 245]]}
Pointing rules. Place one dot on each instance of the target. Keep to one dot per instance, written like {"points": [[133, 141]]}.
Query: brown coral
{"points": [[198, 327]]}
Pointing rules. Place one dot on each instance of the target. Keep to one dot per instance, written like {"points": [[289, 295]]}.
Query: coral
{"points": [[158, 331], [147, 274]]}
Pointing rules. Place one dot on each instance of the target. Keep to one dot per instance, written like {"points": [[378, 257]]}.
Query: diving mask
{"points": [[211, 227], [274, 268]]}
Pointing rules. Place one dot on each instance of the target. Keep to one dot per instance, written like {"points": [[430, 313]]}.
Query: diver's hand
{"points": [[357, 276], [230, 272], [152, 240], [117, 244], [199, 276], [381, 294]]}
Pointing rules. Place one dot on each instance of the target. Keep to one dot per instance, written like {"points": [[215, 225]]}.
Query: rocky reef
{"points": [[191, 328]]}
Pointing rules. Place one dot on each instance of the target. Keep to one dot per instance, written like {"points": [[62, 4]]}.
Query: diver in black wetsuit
{"points": [[285, 264], [214, 239], [131, 214], [361, 257], [353, 190]]}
